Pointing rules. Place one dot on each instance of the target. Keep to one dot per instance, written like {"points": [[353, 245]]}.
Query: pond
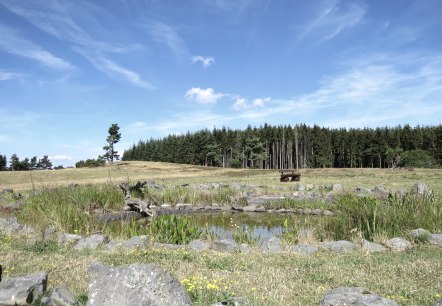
{"points": [[260, 225]]}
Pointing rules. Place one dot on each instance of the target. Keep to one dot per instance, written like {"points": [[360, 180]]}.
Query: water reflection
{"points": [[261, 225]]}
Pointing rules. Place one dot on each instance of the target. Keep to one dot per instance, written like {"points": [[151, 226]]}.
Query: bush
{"points": [[91, 163], [418, 159]]}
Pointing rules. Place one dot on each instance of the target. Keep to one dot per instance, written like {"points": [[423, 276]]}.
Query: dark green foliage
{"points": [[113, 137], [91, 163], [19, 165], [417, 158], [301, 146], [175, 230]]}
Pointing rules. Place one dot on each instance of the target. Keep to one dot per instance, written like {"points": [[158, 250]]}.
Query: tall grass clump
{"points": [[391, 217], [173, 229], [71, 209]]}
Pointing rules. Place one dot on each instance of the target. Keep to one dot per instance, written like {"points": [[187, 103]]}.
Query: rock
{"points": [[66, 238], [215, 206], [436, 239], [6, 191], [199, 245], [10, 226], [166, 206], [60, 296], [341, 246], [91, 242], [438, 303], [183, 206], [225, 207], [372, 247], [125, 215], [260, 209], [420, 235], [112, 245], [273, 245], [362, 189], [235, 301], [225, 245], [22, 290], [281, 210], [337, 187], [316, 212], [244, 248], [249, 208], [354, 296], [420, 188], [398, 244], [326, 212], [379, 189], [136, 284], [136, 242], [305, 249]]}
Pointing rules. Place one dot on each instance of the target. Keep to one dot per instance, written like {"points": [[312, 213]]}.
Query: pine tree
{"points": [[113, 137]]}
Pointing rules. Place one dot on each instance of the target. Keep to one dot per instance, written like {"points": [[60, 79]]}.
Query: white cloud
{"points": [[205, 61], [260, 102], [60, 158], [335, 17], [240, 104], [11, 42], [203, 96]]}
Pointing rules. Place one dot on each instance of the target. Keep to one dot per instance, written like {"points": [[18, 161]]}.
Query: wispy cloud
{"points": [[335, 17], [205, 61], [117, 71], [12, 43], [6, 75], [167, 35], [203, 96], [243, 104]]}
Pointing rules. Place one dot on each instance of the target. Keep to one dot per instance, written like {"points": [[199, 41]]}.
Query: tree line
{"points": [[34, 163], [300, 146]]}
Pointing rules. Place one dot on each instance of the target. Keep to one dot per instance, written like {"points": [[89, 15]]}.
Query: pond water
{"points": [[261, 225]]}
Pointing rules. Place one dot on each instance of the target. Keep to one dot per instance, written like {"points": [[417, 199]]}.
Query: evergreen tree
{"points": [[15, 162], [113, 137], [3, 162]]}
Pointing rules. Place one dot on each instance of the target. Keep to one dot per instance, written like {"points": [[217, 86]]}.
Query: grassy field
{"points": [[413, 277], [177, 174]]}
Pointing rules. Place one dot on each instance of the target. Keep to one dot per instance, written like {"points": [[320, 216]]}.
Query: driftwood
{"points": [[135, 204]]}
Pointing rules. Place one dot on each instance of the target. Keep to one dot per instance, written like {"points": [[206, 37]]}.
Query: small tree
{"points": [[45, 162], [15, 162], [393, 156], [112, 139]]}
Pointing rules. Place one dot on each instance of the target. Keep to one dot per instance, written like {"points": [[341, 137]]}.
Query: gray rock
{"points": [[91, 242], [260, 209], [166, 206], [225, 207], [354, 296], [420, 235], [225, 245], [326, 212], [112, 246], [341, 246], [273, 245], [337, 187], [136, 284], [235, 301], [305, 249], [244, 248], [420, 188], [135, 242], [372, 247], [6, 190], [60, 296], [436, 239], [301, 188], [398, 244], [379, 189], [66, 238], [199, 245], [22, 290], [183, 206], [438, 303], [215, 206], [249, 208], [362, 189], [10, 226]]}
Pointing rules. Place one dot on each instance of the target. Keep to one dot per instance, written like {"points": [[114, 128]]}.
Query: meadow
{"points": [[411, 277]]}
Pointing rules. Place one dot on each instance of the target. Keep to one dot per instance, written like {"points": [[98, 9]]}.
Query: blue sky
{"points": [[69, 69]]}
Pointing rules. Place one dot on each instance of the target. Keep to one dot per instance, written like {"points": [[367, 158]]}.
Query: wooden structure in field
{"points": [[289, 175]]}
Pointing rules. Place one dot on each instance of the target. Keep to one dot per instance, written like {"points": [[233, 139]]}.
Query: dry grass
{"points": [[177, 173]]}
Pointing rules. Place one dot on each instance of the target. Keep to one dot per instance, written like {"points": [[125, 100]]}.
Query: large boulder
{"points": [[420, 188], [10, 226], [22, 290], [136, 284], [354, 296]]}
